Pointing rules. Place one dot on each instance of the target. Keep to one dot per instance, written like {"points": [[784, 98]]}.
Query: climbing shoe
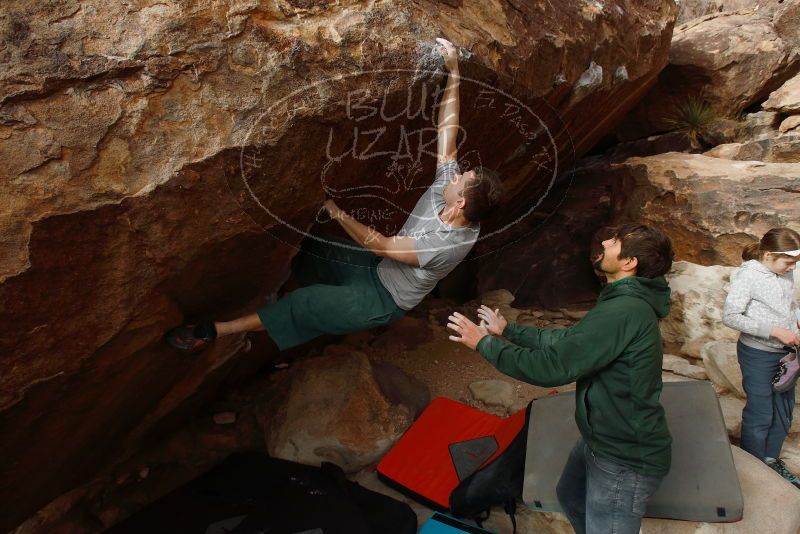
{"points": [[779, 467], [787, 373]]}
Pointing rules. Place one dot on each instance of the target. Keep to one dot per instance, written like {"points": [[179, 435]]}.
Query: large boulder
{"points": [[771, 504], [785, 99], [786, 19], [696, 300], [693, 9], [774, 149], [162, 159], [334, 409], [731, 60], [758, 125], [734, 58], [722, 366], [710, 207]]}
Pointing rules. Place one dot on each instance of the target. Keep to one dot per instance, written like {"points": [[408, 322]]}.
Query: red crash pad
{"points": [[425, 461]]}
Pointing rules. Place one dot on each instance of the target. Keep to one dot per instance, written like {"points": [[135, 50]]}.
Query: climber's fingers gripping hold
{"points": [[449, 53]]}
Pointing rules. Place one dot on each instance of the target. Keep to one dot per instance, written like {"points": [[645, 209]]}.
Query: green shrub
{"points": [[692, 117]]}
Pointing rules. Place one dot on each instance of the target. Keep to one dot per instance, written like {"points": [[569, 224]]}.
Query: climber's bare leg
{"points": [[248, 323]]}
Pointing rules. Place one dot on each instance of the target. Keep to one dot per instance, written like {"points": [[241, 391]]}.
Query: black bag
{"points": [[251, 493], [496, 484]]}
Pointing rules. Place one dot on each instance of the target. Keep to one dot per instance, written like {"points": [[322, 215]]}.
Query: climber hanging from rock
{"points": [[375, 279]]}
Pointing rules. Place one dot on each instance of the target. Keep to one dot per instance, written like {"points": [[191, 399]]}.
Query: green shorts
{"points": [[342, 294]]}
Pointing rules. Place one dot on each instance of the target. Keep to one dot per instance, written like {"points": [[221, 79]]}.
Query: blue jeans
{"points": [[600, 495], [767, 416]]}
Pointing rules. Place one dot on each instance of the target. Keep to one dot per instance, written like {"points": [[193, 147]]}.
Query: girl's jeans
{"points": [[767, 416]]}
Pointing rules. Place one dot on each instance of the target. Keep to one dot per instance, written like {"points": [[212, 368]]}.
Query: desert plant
{"points": [[692, 117]]}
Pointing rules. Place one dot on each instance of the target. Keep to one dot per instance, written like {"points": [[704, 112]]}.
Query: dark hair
{"points": [[650, 246], [483, 194], [775, 240]]}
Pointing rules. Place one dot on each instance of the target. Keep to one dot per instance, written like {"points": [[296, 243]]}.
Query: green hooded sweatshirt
{"points": [[615, 355]]}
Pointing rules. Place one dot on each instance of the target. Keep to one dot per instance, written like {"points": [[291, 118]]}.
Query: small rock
{"points": [[789, 123], [722, 366], [680, 366], [144, 472], [725, 151], [497, 298], [785, 99], [493, 393], [732, 413], [225, 418], [282, 365]]}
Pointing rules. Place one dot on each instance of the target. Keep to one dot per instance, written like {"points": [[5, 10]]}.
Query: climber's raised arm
{"points": [[448, 124], [398, 248]]}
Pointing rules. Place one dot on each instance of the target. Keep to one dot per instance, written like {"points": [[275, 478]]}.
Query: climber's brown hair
{"points": [[483, 194], [775, 240]]}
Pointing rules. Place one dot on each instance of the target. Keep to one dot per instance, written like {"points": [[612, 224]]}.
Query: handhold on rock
{"points": [[225, 418]]}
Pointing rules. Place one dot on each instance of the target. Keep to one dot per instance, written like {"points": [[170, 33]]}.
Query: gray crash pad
{"points": [[702, 484]]}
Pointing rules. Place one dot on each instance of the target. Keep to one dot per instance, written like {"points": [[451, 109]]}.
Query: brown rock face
{"points": [[776, 149], [732, 60], [710, 207], [693, 9], [740, 56], [785, 99], [161, 160], [549, 264]]}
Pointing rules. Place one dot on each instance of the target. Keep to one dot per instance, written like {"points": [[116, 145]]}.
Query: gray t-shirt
{"points": [[439, 246]]}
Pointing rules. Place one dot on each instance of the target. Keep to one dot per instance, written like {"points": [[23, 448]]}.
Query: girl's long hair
{"points": [[775, 240]]}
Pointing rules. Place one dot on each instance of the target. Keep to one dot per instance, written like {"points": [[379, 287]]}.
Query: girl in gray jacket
{"points": [[761, 305]]}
